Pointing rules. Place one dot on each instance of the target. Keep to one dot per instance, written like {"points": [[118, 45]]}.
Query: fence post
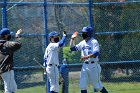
{"points": [[45, 22], [4, 14], [90, 15], [65, 75], [46, 40]]}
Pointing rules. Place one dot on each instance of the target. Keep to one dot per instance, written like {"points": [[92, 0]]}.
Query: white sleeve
{"points": [[45, 53], [95, 46], [55, 45], [79, 46]]}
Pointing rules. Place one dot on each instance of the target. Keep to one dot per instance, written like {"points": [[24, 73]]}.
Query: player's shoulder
{"points": [[53, 45], [82, 42], [93, 40]]}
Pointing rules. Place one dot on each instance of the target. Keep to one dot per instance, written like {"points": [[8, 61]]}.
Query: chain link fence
{"points": [[116, 26]]}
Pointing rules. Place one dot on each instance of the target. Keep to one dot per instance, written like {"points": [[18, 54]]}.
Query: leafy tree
{"points": [[72, 57]]}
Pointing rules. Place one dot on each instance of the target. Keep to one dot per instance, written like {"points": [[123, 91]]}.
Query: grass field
{"points": [[111, 86], [73, 88]]}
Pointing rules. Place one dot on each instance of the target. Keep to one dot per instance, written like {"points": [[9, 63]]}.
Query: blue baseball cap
{"points": [[54, 33], [5, 31], [88, 30]]}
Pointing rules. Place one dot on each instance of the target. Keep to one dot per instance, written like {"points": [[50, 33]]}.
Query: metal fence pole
{"points": [[46, 40], [45, 22], [4, 14], [65, 75], [90, 15]]}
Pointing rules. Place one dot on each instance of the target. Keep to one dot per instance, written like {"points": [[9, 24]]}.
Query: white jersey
{"points": [[51, 54], [89, 47]]}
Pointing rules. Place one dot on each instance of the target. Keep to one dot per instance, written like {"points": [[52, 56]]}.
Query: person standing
{"points": [[51, 60], [90, 72], [7, 50]]}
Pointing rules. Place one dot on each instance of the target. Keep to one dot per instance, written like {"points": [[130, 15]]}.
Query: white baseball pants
{"points": [[90, 73], [9, 81], [53, 76]]}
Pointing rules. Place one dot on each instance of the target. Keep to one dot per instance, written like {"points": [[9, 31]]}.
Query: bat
{"points": [[38, 63], [61, 80]]}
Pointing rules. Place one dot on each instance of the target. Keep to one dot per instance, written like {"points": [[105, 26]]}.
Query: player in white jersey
{"points": [[51, 60], [90, 72]]}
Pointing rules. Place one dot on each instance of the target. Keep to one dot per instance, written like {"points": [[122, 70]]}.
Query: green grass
{"points": [[38, 89], [74, 88], [112, 88], [123, 87]]}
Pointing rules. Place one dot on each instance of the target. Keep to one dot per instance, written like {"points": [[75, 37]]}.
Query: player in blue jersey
{"points": [[51, 60], [90, 72]]}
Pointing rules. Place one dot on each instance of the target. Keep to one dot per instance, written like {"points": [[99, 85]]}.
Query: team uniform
{"points": [[90, 72], [7, 49], [51, 61]]}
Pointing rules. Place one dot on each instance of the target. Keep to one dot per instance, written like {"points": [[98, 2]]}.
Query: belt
{"points": [[86, 62], [52, 65]]}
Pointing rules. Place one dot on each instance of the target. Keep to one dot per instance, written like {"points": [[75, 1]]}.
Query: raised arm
{"points": [[72, 42], [62, 41]]}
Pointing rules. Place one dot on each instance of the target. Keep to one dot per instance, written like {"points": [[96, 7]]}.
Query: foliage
{"points": [[34, 51], [118, 18], [73, 57]]}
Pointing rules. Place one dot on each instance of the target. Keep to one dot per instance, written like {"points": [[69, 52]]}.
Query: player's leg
{"points": [[103, 88], [98, 88], [9, 82], [83, 80], [53, 76], [13, 84], [95, 78]]}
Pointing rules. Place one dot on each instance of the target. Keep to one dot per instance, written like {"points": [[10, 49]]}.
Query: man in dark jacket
{"points": [[7, 49]]}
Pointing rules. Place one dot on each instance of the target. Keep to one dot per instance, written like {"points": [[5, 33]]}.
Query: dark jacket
{"points": [[7, 49]]}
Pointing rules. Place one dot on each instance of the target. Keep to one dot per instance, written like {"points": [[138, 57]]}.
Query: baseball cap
{"points": [[54, 33], [5, 31], [87, 29]]}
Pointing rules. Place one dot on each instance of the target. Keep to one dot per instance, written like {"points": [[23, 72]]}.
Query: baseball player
{"points": [[90, 72], [7, 49], [51, 60]]}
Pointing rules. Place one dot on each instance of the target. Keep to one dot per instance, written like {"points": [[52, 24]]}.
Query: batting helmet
{"points": [[54, 33], [5, 31], [88, 30]]}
